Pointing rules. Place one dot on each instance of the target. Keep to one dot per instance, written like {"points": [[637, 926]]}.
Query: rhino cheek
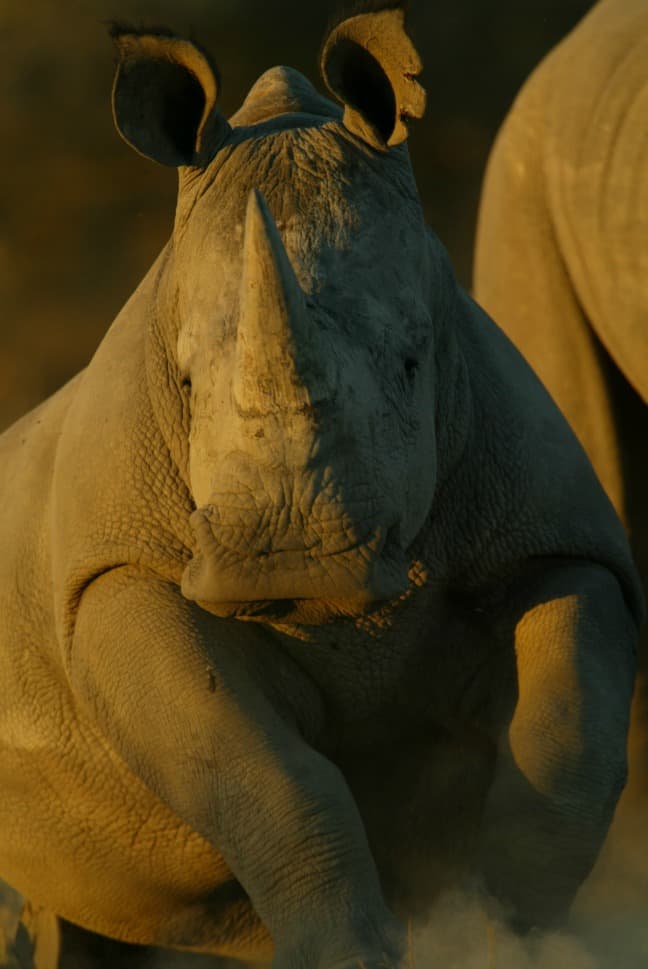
{"points": [[204, 455], [216, 434], [419, 455], [419, 505], [422, 479], [207, 452], [408, 455]]}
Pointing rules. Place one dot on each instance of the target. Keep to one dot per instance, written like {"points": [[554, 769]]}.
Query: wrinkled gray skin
{"points": [[562, 264], [310, 600]]}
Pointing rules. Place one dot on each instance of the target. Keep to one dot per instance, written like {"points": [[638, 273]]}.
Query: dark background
{"points": [[82, 217]]}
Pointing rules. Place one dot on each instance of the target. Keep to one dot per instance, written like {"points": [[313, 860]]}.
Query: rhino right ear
{"points": [[370, 64], [165, 97]]}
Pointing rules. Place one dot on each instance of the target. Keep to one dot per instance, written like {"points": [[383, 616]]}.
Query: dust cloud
{"points": [[459, 935], [607, 929]]}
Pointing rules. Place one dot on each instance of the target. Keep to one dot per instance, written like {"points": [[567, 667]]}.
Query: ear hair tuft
{"points": [[120, 28], [354, 7], [117, 29]]}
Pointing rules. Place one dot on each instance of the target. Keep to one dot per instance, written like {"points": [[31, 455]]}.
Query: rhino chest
{"points": [[413, 671], [410, 712], [421, 798]]}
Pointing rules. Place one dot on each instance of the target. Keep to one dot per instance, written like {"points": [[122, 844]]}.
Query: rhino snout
{"points": [[239, 563]]}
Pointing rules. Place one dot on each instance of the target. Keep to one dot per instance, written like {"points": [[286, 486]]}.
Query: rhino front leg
{"points": [[562, 762], [198, 708]]}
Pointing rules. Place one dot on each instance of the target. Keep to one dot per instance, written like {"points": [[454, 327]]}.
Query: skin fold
{"points": [[562, 264], [312, 603]]}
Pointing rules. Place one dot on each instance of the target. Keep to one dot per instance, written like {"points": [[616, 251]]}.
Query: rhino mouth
{"points": [[253, 581]]}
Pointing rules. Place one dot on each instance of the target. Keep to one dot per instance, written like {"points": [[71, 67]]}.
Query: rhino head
{"points": [[297, 311]]}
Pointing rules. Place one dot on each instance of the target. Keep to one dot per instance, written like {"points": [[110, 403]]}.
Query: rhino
{"points": [[561, 261], [311, 602]]}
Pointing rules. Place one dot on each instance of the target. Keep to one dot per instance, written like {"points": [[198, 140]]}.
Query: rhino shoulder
{"points": [[28, 454], [117, 495], [528, 489]]}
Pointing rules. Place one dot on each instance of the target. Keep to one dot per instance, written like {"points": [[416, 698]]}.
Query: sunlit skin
{"points": [[314, 603]]}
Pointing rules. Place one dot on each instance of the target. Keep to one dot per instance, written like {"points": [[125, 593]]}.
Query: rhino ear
{"points": [[370, 64], [165, 97]]}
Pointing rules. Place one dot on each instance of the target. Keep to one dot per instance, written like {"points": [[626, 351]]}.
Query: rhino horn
{"points": [[278, 362]]}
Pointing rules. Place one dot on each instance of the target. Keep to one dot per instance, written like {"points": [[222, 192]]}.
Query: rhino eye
{"points": [[411, 366]]}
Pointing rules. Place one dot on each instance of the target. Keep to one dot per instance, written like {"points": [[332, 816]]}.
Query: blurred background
{"points": [[82, 217]]}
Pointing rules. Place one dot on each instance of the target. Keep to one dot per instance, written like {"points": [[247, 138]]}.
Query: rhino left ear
{"points": [[370, 64], [165, 97]]}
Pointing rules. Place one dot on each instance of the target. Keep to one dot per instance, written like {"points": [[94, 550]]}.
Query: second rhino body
{"points": [[313, 600], [562, 264]]}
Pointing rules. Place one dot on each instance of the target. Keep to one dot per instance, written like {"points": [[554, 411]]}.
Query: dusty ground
{"points": [[608, 928]]}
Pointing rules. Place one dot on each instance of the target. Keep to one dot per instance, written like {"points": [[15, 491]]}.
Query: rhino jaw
{"points": [[229, 583]]}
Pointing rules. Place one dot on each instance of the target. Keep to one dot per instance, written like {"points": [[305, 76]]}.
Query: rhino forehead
{"points": [[330, 198]]}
